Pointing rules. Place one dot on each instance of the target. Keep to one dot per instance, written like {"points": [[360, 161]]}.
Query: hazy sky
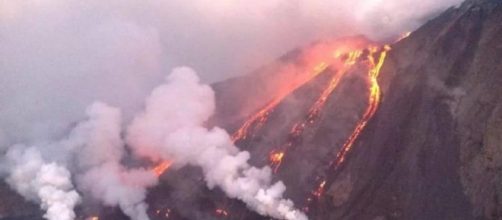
{"points": [[58, 56]]}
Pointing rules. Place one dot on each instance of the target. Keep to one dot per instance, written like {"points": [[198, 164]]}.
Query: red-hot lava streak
{"points": [[313, 114], [352, 58], [373, 103], [161, 168], [352, 55], [259, 118], [319, 59]]}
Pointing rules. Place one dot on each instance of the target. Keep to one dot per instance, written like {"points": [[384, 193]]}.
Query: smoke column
{"points": [[46, 183], [92, 152], [171, 128]]}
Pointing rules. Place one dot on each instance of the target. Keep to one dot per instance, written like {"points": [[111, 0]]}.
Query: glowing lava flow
{"points": [[161, 168], [373, 100], [314, 111], [318, 193], [259, 118], [373, 103], [318, 59]]}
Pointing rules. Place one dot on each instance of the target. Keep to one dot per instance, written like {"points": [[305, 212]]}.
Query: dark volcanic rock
{"points": [[432, 151], [434, 148]]}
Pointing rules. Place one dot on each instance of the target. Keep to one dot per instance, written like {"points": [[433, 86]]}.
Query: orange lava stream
{"points": [[259, 118], [373, 100], [316, 108], [318, 59], [373, 104], [161, 168]]}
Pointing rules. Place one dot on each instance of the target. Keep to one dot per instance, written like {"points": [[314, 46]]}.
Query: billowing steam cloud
{"points": [[171, 128], [46, 183], [92, 152]]}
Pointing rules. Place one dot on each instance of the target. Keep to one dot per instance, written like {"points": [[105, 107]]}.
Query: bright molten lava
{"points": [[276, 159], [161, 168], [341, 58], [317, 59], [259, 118], [320, 190], [373, 103], [349, 59]]}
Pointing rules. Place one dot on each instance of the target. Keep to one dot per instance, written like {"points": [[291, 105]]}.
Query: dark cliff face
{"points": [[433, 150]]}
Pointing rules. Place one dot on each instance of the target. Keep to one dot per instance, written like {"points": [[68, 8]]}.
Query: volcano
{"points": [[358, 129]]}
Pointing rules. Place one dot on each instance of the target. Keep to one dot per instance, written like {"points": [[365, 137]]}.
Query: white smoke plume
{"points": [[92, 151], [46, 183], [99, 171], [171, 128]]}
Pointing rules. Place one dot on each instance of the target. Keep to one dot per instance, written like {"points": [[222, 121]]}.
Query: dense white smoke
{"points": [[98, 169], [92, 152], [171, 128], [46, 183]]}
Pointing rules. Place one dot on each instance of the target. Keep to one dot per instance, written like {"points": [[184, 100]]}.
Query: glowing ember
{"points": [[221, 212], [168, 211], [93, 218], [276, 159], [320, 190], [161, 168], [166, 214]]}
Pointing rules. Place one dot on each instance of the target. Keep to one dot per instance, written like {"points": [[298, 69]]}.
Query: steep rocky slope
{"points": [[433, 150]]}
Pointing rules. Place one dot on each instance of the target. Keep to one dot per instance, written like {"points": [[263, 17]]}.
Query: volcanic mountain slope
{"points": [[432, 149]]}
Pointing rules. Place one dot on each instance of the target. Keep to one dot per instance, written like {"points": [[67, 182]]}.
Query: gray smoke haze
{"points": [[169, 129], [90, 155], [57, 57]]}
